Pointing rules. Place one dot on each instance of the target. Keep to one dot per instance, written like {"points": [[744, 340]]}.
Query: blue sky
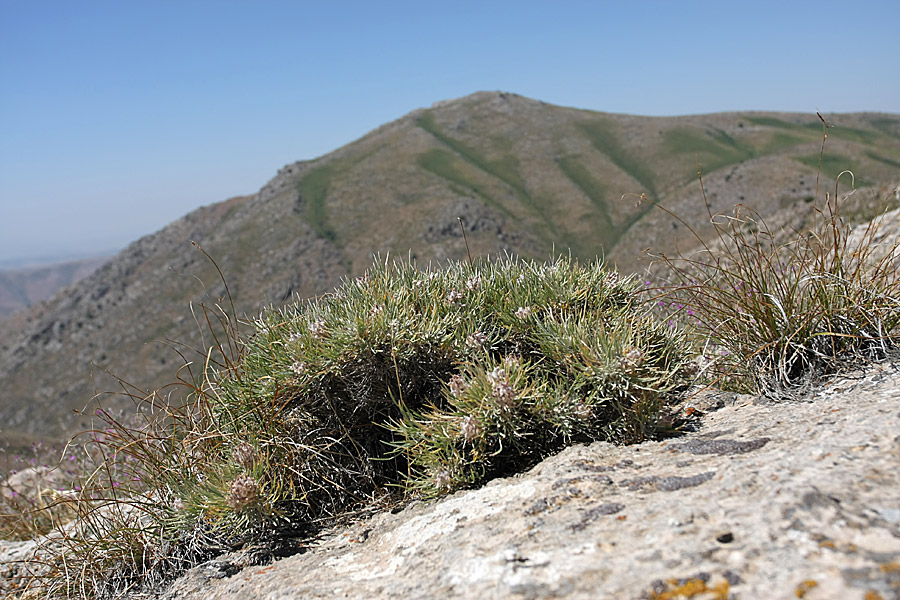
{"points": [[118, 117]]}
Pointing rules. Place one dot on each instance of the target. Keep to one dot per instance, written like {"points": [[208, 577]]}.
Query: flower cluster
{"points": [[245, 455], [458, 385], [318, 330], [443, 480], [502, 390], [631, 360], [476, 340], [243, 492], [298, 368], [470, 429]]}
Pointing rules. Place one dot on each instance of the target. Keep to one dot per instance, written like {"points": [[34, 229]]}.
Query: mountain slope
{"points": [[20, 288], [524, 176]]}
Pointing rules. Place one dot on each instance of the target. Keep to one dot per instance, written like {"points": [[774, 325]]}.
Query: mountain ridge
{"points": [[23, 287], [522, 176]]}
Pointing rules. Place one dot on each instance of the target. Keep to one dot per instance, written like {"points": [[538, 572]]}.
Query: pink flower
{"points": [[458, 385], [476, 340]]}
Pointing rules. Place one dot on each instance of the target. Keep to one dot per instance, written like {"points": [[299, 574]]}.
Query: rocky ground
{"points": [[797, 499], [787, 500]]}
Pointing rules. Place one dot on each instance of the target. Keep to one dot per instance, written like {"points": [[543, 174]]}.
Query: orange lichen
{"points": [[804, 587], [691, 589]]}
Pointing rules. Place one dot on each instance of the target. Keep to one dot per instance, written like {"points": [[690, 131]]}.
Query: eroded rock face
{"points": [[798, 499]]}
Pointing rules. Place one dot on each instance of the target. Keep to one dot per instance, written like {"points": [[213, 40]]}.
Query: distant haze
{"points": [[116, 118]]}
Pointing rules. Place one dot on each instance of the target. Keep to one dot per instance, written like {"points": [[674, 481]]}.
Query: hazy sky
{"points": [[118, 117]]}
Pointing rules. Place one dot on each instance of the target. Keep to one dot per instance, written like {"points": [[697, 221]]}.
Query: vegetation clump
{"points": [[778, 310], [402, 383]]}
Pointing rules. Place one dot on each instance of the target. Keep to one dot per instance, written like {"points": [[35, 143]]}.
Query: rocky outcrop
{"points": [[762, 500]]}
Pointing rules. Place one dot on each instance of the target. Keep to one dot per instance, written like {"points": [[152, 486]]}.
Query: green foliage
{"points": [[596, 193], [771, 122], [851, 134], [887, 125], [505, 169], [314, 190], [401, 383], [780, 141], [603, 136], [883, 159], [714, 148], [444, 163], [388, 345], [831, 165]]}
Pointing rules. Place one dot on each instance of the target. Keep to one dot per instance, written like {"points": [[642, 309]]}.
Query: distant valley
{"points": [[523, 177], [25, 286]]}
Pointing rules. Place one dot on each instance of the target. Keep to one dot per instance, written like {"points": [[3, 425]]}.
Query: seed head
{"points": [[470, 429], [245, 455], [454, 296], [243, 492], [523, 312], [631, 360]]}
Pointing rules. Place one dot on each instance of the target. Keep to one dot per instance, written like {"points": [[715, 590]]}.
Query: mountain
{"points": [[523, 176], [20, 288]]}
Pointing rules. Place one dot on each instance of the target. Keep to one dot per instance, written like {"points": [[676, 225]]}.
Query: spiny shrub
{"points": [[401, 383]]}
